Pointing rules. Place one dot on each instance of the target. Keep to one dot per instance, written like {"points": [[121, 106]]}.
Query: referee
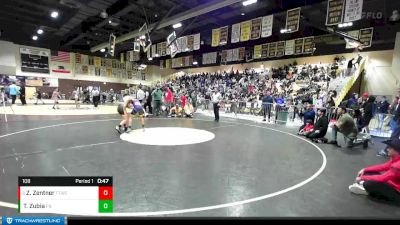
{"points": [[216, 99]]}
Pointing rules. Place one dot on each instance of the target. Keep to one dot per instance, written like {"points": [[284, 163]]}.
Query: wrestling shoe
{"points": [[118, 129], [357, 189], [128, 130]]}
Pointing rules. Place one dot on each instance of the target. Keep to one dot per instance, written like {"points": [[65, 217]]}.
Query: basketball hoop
{"points": [[354, 44]]}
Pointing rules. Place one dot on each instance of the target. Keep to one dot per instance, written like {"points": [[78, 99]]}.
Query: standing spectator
{"points": [[96, 97], [350, 66], [395, 127], [13, 92], [381, 181], [39, 97], [140, 95], [216, 99], [369, 108], [383, 108], [22, 96], [157, 97], [169, 99], [149, 99], [55, 97], [267, 102]]}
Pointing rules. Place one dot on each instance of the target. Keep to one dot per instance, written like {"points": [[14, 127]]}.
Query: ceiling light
{"points": [[195, 63], [35, 37], [103, 50], [249, 2], [242, 14], [109, 21], [156, 16], [177, 25], [40, 31], [54, 14], [157, 55], [150, 59]]}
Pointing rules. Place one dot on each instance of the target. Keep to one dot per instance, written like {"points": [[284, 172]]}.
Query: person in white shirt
{"points": [[140, 95], [216, 98]]}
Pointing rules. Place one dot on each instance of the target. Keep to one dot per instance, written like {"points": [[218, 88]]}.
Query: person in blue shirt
{"points": [[267, 102], [309, 114], [13, 92]]}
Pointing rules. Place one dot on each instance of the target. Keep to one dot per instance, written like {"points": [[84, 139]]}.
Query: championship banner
{"points": [[264, 51], [298, 46], [289, 48], [245, 30], [235, 54], [92, 71], [85, 59], [267, 24], [111, 63], [223, 35], [353, 10], [168, 64], [103, 71], [366, 36], [109, 72], [242, 53], [153, 51], [90, 60], [184, 42], [34, 60], [161, 64], [235, 33], [78, 59], [257, 52], [335, 11], [223, 55], [293, 20], [272, 49], [229, 55], [255, 28], [190, 42], [97, 61], [60, 62], [308, 45], [280, 49], [353, 33], [179, 45], [196, 42], [209, 58], [122, 57], [158, 49], [163, 48], [215, 37]]}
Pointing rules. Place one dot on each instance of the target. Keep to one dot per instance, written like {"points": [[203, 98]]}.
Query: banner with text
{"points": [[256, 28], [293, 20], [245, 28], [235, 35], [267, 24], [335, 11]]}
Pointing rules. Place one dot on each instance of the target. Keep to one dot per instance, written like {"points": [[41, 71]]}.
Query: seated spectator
{"points": [[175, 111], [189, 110], [381, 181], [309, 114], [348, 128], [320, 127], [307, 129]]}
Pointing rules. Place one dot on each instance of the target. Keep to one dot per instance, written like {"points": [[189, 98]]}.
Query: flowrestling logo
{"points": [[16, 220]]}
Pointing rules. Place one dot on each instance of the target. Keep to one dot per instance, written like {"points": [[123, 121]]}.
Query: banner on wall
{"points": [[264, 50], [223, 35], [235, 33], [366, 36], [245, 30], [298, 46], [7, 80], [256, 28], [257, 52], [235, 54], [184, 42], [41, 82], [158, 49], [196, 42], [85, 59], [289, 48], [215, 37], [354, 34], [267, 24], [78, 59], [280, 49], [223, 55], [242, 53], [163, 48], [209, 58], [97, 61], [153, 51], [34, 60], [335, 12], [168, 64], [308, 45], [272, 49], [190, 42], [229, 55], [353, 10], [60, 62], [293, 20]]}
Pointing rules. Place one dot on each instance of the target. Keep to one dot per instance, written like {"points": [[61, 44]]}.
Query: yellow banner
{"points": [[215, 37], [245, 30], [168, 64], [97, 61], [257, 52]]}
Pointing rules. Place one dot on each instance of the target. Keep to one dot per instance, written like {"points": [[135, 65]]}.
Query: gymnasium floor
{"points": [[236, 168]]}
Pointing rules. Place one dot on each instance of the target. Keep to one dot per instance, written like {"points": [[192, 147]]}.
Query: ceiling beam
{"points": [[197, 11]]}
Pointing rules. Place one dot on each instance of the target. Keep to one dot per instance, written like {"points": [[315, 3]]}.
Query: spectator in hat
{"points": [[347, 127], [381, 181]]}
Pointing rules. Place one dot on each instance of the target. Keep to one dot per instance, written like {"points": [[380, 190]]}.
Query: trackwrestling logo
{"points": [[33, 220]]}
